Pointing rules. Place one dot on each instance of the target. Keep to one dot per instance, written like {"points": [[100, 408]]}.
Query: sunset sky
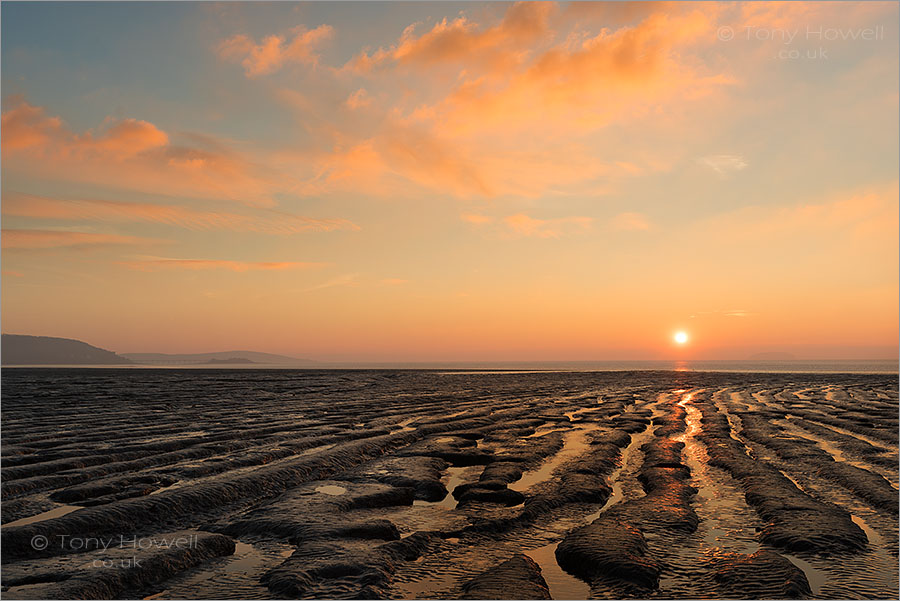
{"points": [[453, 181]]}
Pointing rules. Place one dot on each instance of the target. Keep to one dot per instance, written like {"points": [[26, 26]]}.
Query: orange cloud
{"points": [[275, 51], [41, 239], [396, 153], [401, 157], [358, 99], [270, 222], [462, 41], [135, 155], [156, 263], [26, 126], [129, 137], [588, 82], [495, 109], [515, 118]]}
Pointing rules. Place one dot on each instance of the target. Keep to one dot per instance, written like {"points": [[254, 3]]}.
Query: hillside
{"points": [[44, 350]]}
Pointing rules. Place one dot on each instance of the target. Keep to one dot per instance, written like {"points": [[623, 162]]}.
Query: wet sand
{"points": [[176, 484]]}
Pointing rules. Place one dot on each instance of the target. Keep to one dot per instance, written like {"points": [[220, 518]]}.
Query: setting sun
{"points": [[681, 337]]}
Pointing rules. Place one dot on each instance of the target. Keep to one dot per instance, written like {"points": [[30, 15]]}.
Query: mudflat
{"points": [[178, 484]]}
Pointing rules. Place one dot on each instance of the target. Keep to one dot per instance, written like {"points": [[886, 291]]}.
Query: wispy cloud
{"points": [[724, 164], [157, 263], [42, 239], [868, 216], [264, 221], [349, 279]]}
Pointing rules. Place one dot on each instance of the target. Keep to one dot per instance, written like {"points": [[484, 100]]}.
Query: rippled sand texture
{"points": [[293, 484]]}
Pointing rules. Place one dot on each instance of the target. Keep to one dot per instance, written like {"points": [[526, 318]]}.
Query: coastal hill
{"points": [[45, 350]]}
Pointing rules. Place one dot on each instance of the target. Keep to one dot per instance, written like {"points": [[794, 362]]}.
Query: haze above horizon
{"points": [[440, 182]]}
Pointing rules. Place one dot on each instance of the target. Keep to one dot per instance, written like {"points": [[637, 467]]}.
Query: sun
{"points": [[681, 337]]}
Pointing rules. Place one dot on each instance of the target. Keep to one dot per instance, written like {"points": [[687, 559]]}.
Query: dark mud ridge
{"points": [[796, 520], [170, 484], [764, 573], [516, 578]]}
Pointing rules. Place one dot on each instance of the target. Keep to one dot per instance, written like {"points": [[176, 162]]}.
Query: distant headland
{"points": [[19, 349]]}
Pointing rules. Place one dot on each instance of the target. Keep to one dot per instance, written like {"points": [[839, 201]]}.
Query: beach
{"points": [[438, 484]]}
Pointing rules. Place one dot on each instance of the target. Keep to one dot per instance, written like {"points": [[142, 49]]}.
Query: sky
{"points": [[453, 181]]}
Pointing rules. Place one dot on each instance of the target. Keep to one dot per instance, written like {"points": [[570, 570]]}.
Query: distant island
{"points": [[19, 349]]}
